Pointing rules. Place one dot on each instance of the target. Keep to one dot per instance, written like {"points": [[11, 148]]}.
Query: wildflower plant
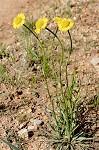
{"points": [[65, 108]]}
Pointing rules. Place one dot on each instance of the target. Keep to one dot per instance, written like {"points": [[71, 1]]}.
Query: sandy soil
{"points": [[8, 10]]}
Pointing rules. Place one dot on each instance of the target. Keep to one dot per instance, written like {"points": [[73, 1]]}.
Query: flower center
{"points": [[65, 23], [18, 20], [40, 24]]}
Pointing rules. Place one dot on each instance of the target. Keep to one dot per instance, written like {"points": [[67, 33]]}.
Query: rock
{"points": [[95, 63], [36, 123], [30, 128], [23, 133], [23, 125], [30, 134], [38, 67]]}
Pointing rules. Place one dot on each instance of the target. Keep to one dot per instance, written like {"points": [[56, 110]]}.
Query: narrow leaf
{"points": [[10, 145]]}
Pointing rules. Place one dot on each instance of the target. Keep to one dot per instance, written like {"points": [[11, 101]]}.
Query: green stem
{"points": [[55, 74], [61, 45], [70, 42], [61, 62], [67, 118], [63, 97], [31, 31], [51, 101], [35, 37], [45, 78]]}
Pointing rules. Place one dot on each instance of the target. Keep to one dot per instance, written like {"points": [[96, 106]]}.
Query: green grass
{"points": [[9, 144], [2, 73], [3, 51]]}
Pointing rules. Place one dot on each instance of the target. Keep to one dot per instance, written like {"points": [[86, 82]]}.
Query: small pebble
{"points": [[37, 122], [23, 133], [30, 134], [30, 128]]}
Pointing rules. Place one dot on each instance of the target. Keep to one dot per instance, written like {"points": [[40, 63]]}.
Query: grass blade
{"points": [[10, 145]]}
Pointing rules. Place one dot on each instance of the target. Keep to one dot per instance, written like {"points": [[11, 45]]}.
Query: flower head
{"points": [[64, 24], [41, 24], [19, 20], [57, 19]]}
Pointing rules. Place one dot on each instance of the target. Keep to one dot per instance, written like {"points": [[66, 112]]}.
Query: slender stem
{"points": [[70, 41], [35, 37], [66, 80], [55, 74], [51, 101], [31, 31], [58, 41], [44, 59], [56, 30], [61, 45], [63, 96]]}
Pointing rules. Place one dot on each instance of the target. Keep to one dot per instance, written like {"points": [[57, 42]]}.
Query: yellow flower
{"points": [[41, 24], [57, 19], [65, 24], [19, 20]]}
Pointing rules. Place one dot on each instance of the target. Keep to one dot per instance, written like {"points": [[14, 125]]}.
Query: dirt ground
{"points": [[8, 10], [22, 102]]}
